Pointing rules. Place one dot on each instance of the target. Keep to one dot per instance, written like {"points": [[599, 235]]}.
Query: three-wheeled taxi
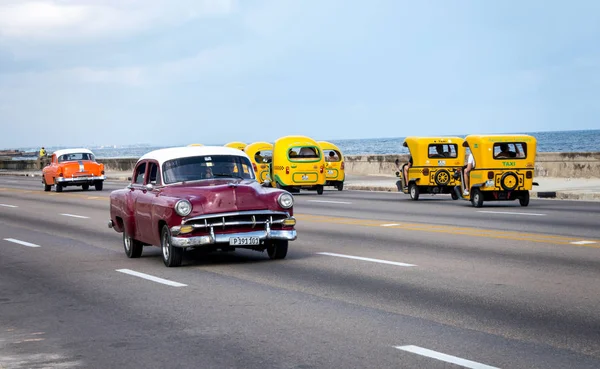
{"points": [[236, 145], [298, 163], [334, 165], [261, 156], [432, 166], [503, 169], [190, 145]]}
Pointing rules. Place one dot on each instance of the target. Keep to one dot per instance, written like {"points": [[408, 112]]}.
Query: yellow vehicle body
{"points": [[195, 145], [431, 171], [236, 145], [261, 156], [334, 165], [298, 163], [500, 175]]}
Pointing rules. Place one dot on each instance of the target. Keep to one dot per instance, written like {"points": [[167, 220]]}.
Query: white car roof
{"points": [[72, 151], [163, 155]]}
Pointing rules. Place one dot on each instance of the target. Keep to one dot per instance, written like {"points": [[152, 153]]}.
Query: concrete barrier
{"points": [[557, 165]]}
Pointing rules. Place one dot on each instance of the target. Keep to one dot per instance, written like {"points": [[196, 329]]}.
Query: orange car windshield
{"points": [[75, 157]]}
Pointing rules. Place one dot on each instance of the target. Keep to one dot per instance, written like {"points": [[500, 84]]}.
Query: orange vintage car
{"points": [[73, 167]]}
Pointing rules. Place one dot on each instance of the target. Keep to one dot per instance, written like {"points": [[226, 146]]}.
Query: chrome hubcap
{"points": [[165, 248], [127, 242]]}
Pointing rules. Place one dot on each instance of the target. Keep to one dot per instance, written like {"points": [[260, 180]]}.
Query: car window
{"points": [[76, 157], [333, 155], [140, 172], [443, 151], [264, 156], [303, 153], [510, 150], [153, 173], [198, 168]]}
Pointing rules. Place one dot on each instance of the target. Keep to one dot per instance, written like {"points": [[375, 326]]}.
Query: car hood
{"points": [[223, 195]]}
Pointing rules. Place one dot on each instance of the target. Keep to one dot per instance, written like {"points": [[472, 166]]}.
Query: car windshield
{"points": [[75, 157], [198, 168]]}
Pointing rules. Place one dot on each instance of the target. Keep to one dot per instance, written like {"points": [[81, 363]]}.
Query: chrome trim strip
{"points": [[268, 234], [80, 179], [237, 213]]}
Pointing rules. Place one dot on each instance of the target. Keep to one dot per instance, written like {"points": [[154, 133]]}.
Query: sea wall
{"points": [[560, 165]]}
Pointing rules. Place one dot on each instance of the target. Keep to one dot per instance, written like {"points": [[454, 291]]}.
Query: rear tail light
{"points": [[426, 171], [490, 175], [321, 170], [342, 166], [529, 174], [102, 172], [287, 170]]}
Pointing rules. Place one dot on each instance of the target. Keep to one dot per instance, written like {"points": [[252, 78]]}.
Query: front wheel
{"points": [[277, 249], [133, 248], [477, 198], [454, 195], [524, 199], [413, 189], [172, 256]]}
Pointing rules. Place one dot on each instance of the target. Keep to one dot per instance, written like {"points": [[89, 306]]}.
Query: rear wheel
{"points": [[59, 187], [172, 256], [133, 248], [477, 198], [85, 187], [319, 189], [46, 186], [413, 189], [453, 195], [277, 249], [340, 186], [524, 199], [98, 185]]}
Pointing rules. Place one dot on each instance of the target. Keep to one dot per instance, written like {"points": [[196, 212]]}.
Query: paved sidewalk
{"points": [[559, 188]]}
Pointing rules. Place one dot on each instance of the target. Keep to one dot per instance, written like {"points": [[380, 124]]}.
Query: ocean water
{"points": [[556, 141]]}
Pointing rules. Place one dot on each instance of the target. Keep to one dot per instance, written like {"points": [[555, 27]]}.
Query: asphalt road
{"points": [[374, 280]]}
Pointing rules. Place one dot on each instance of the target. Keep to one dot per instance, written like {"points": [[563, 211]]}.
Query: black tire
{"points": [[477, 198], [413, 190], [442, 177], [98, 185], [524, 199], [506, 180], [340, 186], [59, 187], [172, 256], [277, 249], [46, 187], [453, 195], [133, 248], [319, 189], [85, 187]]}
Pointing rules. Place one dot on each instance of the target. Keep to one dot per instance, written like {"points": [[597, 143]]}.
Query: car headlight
{"points": [[183, 208], [285, 200]]}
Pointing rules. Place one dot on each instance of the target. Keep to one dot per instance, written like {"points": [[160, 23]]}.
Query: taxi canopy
{"points": [[331, 151], [490, 151], [236, 145], [423, 149]]}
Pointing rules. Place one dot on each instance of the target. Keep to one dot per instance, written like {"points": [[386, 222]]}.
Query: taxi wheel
{"points": [[172, 256], [442, 177], [340, 186], [133, 248], [524, 199], [413, 189], [98, 186], [453, 195], [509, 181], [85, 187], [320, 189], [46, 187], [277, 249], [477, 198]]}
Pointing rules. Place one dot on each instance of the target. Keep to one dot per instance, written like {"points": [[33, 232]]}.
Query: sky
{"points": [[171, 72]]}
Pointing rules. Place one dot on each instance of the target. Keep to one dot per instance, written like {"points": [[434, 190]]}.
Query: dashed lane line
{"points": [[23, 243], [444, 357], [366, 259], [151, 278], [75, 216]]}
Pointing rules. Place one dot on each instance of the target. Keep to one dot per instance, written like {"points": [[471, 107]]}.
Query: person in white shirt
{"points": [[468, 168]]}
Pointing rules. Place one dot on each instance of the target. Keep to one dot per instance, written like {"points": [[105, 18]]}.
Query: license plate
{"points": [[305, 177], [242, 241], [330, 172]]}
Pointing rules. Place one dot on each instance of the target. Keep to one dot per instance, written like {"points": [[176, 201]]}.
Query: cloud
{"points": [[71, 20]]}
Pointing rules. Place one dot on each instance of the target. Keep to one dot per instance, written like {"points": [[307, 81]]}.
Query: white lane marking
{"points": [[390, 225], [21, 242], [583, 242], [366, 259], [9, 206], [444, 357], [76, 216], [330, 202], [151, 278], [510, 212]]}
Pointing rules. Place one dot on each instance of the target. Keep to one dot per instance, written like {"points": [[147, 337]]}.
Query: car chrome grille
{"points": [[246, 219]]}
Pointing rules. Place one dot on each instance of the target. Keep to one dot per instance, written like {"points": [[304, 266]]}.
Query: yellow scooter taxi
{"points": [[334, 165], [236, 145], [261, 156]]}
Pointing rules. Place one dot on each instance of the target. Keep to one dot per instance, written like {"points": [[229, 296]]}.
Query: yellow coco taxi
{"points": [[236, 145], [334, 165], [190, 145], [261, 155], [298, 163], [431, 167], [501, 168]]}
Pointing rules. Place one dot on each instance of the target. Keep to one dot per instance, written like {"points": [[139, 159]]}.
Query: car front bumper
{"points": [[79, 180], [286, 235]]}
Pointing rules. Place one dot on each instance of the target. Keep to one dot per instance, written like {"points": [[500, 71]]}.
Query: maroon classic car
{"points": [[200, 196]]}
